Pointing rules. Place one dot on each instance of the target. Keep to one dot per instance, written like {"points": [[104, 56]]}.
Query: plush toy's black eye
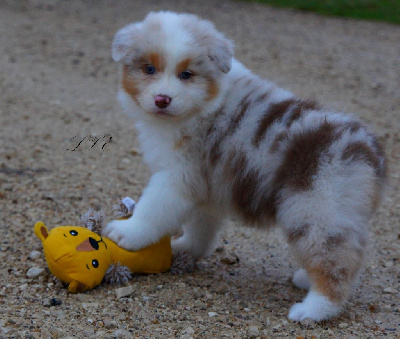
{"points": [[95, 263], [185, 75], [150, 69], [73, 232]]}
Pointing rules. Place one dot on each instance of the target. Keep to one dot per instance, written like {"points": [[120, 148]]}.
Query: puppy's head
{"points": [[172, 63]]}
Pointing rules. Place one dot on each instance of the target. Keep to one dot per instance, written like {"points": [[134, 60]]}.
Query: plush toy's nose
{"points": [[88, 245], [162, 101]]}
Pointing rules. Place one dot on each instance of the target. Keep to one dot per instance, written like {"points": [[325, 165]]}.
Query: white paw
{"points": [[315, 306], [301, 279], [125, 234]]}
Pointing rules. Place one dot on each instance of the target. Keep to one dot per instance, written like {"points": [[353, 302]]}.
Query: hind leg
{"points": [[301, 279], [329, 244]]}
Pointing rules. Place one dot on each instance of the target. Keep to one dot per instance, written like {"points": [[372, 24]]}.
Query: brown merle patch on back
{"points": [[273, 113], [353, 126], [215, 149], [278, 140], [299, 108], [335, 240], [361, 151], [303, 155], [298, 233], [246, 199], [262, 97]]}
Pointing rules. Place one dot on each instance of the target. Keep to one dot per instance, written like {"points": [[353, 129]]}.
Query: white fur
{"points": [[315, 307], [194, 149], [301, 279]]}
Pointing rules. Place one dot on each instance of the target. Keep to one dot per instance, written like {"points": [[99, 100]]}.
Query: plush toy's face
{"points": [[75, 255]]}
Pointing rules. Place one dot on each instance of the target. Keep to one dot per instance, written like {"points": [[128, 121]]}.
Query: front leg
{"points": [[161, 211]]}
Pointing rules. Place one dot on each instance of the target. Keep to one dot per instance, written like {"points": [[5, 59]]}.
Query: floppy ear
{"points": [[41, 231], [123, 46], [220, 51]]}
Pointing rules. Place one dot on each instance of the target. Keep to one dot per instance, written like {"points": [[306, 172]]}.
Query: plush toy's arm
{"points": [[155, 258]]}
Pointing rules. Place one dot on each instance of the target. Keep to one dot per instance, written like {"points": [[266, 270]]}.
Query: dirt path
{"points": [[58, 83]]}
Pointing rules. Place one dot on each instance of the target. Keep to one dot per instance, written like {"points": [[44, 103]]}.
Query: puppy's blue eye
{"points": [[185, 75], [150, 69]]}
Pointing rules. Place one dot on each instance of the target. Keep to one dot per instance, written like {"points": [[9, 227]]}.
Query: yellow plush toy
{"points": [[81, 258]]}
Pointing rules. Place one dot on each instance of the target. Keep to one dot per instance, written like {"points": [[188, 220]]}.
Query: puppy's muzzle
{"points": [[162, 101]]}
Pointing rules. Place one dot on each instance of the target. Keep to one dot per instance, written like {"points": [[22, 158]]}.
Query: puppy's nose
{"points": [[162, 101]]}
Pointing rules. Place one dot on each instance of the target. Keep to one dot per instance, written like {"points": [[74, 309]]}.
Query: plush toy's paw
{"points": [[117, 274], [315, 307], [182, 262], [125, 234]]}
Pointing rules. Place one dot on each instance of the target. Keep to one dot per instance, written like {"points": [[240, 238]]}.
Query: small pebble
{"points": [[343, 325], [390, 290], [230, 259], [34, 255], [122, 333], [189, 330], [124, 291], [23, 287], [253, 330], [212, 314], [55, 302], [109, 324], [34, 272]]}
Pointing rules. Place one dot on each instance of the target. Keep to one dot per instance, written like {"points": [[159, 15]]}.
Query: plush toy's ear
{"points": [[76, 287], [41, 231]]}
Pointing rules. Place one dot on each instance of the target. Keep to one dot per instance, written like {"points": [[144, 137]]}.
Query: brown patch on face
{"points": [[301, 107], [157, 61], [296, 234], [360, 151], [183, 65], [128, 82], [274, 112], [302, 157]]}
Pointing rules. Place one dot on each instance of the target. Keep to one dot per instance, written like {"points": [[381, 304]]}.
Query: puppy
{"points": [[221, 141]]}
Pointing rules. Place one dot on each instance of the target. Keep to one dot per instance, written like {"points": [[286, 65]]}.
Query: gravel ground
{"points": [[58, 86]]}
